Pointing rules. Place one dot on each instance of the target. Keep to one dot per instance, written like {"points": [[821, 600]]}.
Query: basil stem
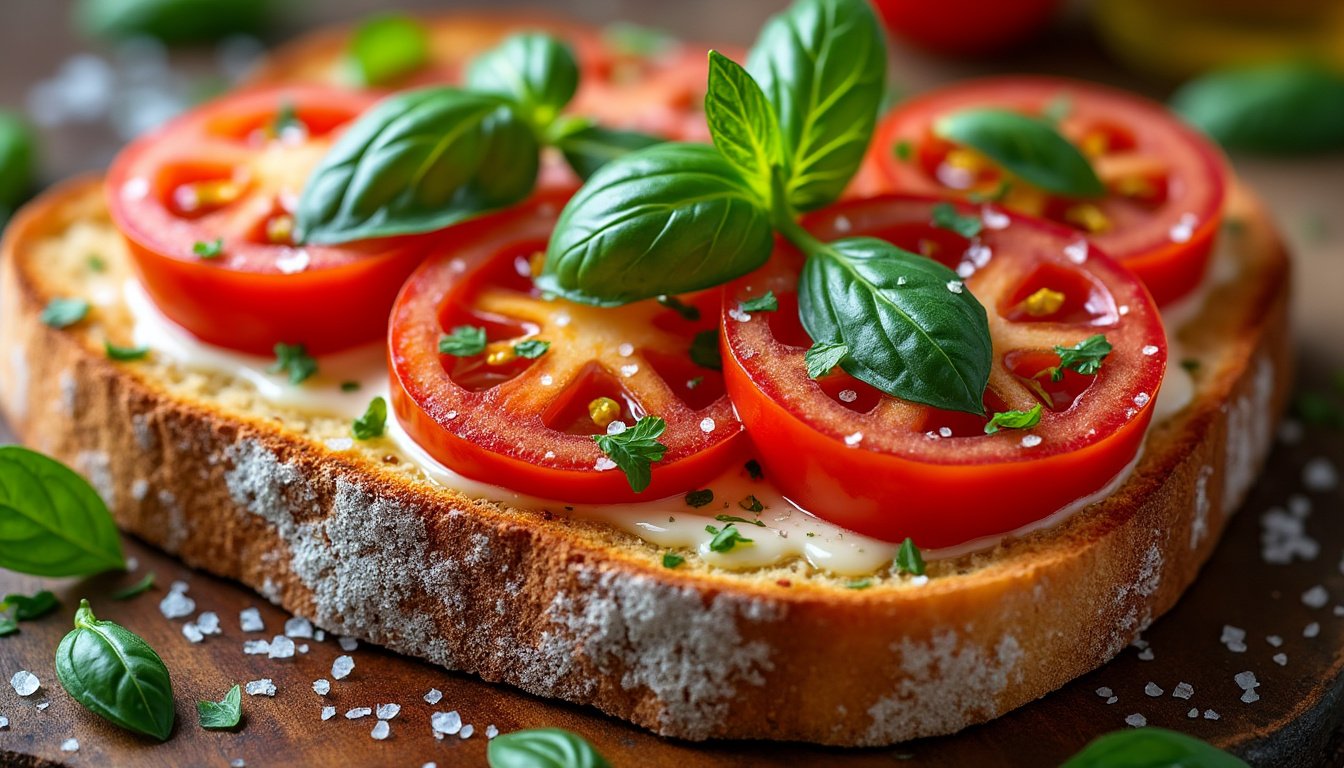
{"points": [[1027, 147], [543, 748], [1151, 748], [52, 522], [116, 675]]}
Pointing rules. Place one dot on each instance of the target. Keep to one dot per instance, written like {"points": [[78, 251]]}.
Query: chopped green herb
{"points": [[464, 341], [736, 519], [908, 558], [635, 450], [349, 386], [823, 357], [699, 498], [138, 588], [672, 559], [63, 313], [687, 312], [8, 625], [531, 349], [294, 360], [903, 150], [1084, 357], [96, 263], [222, 714], [724, 540], [209, 250], [1317, 409], [1014, 420], [754, 470], [946, 217], [124, 354], [705, 350], [764, 303], [859, 584], [373, 422], [1190, 364], [996, 194], [751, 503], [28, 608]]}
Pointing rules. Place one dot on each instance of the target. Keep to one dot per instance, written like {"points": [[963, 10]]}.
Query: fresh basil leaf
{"points": [[909, 559], [704, 350], [699, 498], [174, 21], [635, 450], [1027, 147], [822, 64], [138, 588], [464, 341], [52, 522], [742, 122], [531, 349], [419, 161], [823, 356], [124, 354], [35, 607], [725, 540], [1084, 357], [911, 328], [294, 361], [385, 49], [8, 625], [373, 422], [1151, 748], [673, 218], [859, 584], [670, 560], [1014, 420], [967, 225], [543, 748], [222, 714], [590, 147], [753, 468], [766, 302], [63, 313], [1278, 108], [16, 159], [536, 70], [208, 250], [116, 675]]}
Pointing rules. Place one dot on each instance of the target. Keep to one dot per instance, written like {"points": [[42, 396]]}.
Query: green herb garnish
{"points": [[1030, 148], [350, 386], [726, 539], [1014, 420], [386, 48], [764, 303], [909, 559], [635, 450], [1151, 748], [699, 498], [464, 341], [1085, 357], [373, 422], [27, 608], [543, 747], [945, 216], [531, 349], [125, 354], [222, 714], [754, 470], [116, 675], [736, 519], [672, 560], [63, 313], [208, 250], [903, 150], [705, 350], [751, 503], [823, 357], [138, 588], [859, 584], [688, 313], [294, 361]]}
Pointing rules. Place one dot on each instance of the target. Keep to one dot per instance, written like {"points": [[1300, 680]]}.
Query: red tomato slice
{"points": [[976, 27], [890, 469], [526, 423], [1166, 183], [222, 173]]}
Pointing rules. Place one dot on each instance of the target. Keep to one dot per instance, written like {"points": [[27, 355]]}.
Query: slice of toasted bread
{"points": [[360, 541]]}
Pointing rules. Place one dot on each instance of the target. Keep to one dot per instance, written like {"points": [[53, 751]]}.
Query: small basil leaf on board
{"points": [[385, 48], [1027, 147], [52, 522], [822, 64], [742, 122], [416, 162], [911, 329], [1280, 108], [536, 70], [590, 147], [673, 218], [27, 608], [1151, 748], [116, 675], [222, 714], [543, 748]]}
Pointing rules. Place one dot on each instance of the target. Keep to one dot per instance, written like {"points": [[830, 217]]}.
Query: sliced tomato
{"points": [[888, 468], [527, 423], [1166, 184], [206, 204], [976, 27]]}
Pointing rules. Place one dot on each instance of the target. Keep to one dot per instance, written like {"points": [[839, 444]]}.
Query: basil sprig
{"points": [[1027, 147], [116, 675], [1151, 748], [425, 159], [543, 748], [52, 522]]}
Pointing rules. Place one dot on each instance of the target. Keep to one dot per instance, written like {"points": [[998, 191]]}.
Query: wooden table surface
{"points": [[1296, 721]]}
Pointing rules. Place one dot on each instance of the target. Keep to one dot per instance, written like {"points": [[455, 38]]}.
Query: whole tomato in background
{"points": [[961, 27]]}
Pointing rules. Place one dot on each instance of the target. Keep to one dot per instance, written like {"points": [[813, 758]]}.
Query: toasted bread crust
{"points": [[563, 609]]}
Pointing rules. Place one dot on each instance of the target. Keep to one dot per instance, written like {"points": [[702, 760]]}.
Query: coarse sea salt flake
{"points": [[1153, 689], [25, 683], [1141, 399], [339, 444], [993, 219], [70, 745], [629, 370], [249, 620], [604, 464], [848, 395], [843, 224], [1136, 720], [1209, 714], [1274, 640], [42, 705], [1150, 350], [192, 632], [322, 686], [281, 648], [1311, 630], [706, 425], [208, 623], [955, 286], [446, 722], [433, 696], [298, 627], [341, 667], [466, 731], [1031, 441], [1320, 475], [348, 644], [256, 647], [176, 605], [491, 731], [1316, 597], [388, 711], [381, 730], [328, 713], [626, 349], [1234, 638], [1246, 680], [1105, 692], [1183, 691], [355, 713], [262, 687], [1076, 251], [853, 439], [1281, 659], [4, 722]]}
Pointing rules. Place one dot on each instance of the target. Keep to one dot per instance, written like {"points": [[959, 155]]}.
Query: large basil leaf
{"points": [[538, 71], [1280, 108], [1027, 147], [116, 675], [1151, 748], [588, 147], [670, 219], [543, 748], [742, 122], [911, 328], [417, 162], [822, 64], [16, 161], [52, 522]]}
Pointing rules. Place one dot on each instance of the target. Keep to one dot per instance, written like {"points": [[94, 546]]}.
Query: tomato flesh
{"points": [[526, 423], [966, 26], [890, 469], [1166, 184]]}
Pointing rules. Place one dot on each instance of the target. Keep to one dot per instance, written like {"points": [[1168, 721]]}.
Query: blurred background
{"points": [[80, 77]]}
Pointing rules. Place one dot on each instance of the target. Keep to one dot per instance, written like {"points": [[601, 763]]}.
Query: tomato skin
{"points": [[505, 434], [1142, 236], [974, 27], [897, 480]]}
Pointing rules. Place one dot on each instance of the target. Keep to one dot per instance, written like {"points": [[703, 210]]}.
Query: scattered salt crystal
{"points": [[1234, 638], [42, 705], [1184, 228], [604, 464], [1339, 609], [626, 349], [176, 604], [466, 731], [1274, 640], [25, 683], [854, 439], [843, 224], [281, 648], [319, 635], [433, 696], [208, 623], [322, 686], [430, 765], [1183, 691], [1112, 699], [446, 722], [256, 647], [4, 722], [629, 370], [1290, 432], [1150, 350], [192, 632], [381, 730], [491, 731], [328, 713], [944, 431], [1146, 654], [348, 644], [1299, 505], [1316, 597], [547, 380], [616, 427], [303, 647], [900, 280], [388, 711], [1245, 680], [341, 667], [1141, 399], [1105, 692], [1311, 630], [1281, 659], [1031, 441], [357, 712], [450, 415], [919, 580], [1136, 720], [965, 270], [339, 444], [249, 620], [1193, 713], [993, 219], [179, 585], [1283, 537], [706, 425], [262, 687], [848, 395], [1124, 309], [1076, 251], [1153, 689], [1209, 714], [1249, 696], [70, 745], [1320, 475], [293, 262], [955, 286]]}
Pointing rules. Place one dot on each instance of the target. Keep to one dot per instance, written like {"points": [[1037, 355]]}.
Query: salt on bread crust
{"points": [[575, 610]]}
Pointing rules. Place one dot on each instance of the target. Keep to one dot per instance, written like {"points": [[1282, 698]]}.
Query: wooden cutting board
{"points": [[1295, 722]]}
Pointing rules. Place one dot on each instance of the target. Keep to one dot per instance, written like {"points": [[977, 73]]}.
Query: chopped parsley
{"points": [[349, 386], [293, 360], [908, 558], [531, 349], [635, 450], [1084, 357], [735, 519], [764, 303], [464, 341], [373, 422], [754, 470], [96, 263], [63, 313], [705, 350], [687, 312], [859, 584], [967, 225], [672, 559], [1014, 420], [699, 498], [994, 195], [138, 588], [124, 354], [751, 504], [209, 250], [824, 356], [903, 150], [724, 540]]}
